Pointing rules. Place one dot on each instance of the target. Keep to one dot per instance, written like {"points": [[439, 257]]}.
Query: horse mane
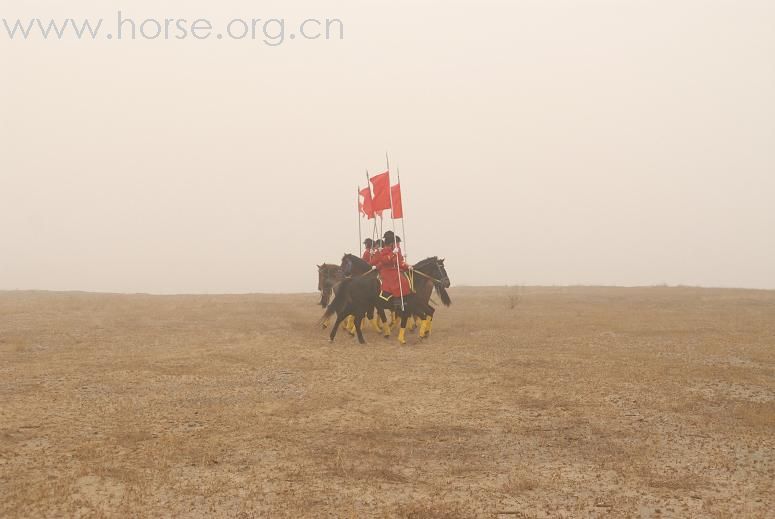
{"points": [[443, 294], [425, 262], [356, 259]]}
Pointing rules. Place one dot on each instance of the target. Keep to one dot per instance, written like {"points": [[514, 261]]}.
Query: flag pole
{"points": [[387, 160], [403, 226], [395, 242], [358, 209], [368, 185]]}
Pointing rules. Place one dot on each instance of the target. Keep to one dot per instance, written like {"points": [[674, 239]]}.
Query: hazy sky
{"points": [[539, 142]]}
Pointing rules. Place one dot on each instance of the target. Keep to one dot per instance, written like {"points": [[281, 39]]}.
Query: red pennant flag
{"points": [[398, 207], [381, 199], [366, 206]]}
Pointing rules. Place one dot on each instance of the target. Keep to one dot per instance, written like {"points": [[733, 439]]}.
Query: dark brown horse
{"points": [[328, 276]]}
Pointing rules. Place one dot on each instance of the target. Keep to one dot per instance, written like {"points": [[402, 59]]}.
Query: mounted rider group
{"points": [[381, 280]]}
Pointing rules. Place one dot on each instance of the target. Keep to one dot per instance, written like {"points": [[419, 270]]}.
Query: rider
{"points": [[369, 250], [389, 261]]}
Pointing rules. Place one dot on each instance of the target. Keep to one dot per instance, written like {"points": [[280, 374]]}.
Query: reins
{"points": [[413, 271], [423, 274]]}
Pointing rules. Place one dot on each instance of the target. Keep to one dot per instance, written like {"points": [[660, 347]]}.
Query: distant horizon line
{"points": [[308, 292]]}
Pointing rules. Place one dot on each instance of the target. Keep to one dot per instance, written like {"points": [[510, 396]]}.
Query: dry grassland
{"points": [[527, 402]]}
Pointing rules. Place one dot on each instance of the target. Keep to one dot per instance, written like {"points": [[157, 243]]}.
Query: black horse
{"points": [[427, 276], [360, 293], [328, 276], [353, 266], [353, 297]]}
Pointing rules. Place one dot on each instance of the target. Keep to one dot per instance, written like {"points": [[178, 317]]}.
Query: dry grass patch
{"points": [[541, 402]]}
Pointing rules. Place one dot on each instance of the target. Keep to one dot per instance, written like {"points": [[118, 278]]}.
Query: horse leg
{"points": [[358, 320], [425, 327], [339, 319], [370, 317], [385, 323], [402, 332], [382, 318], [351, 325]]}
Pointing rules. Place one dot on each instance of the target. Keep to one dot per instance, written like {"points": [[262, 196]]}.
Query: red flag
{"points": [[366, 206], [398, 207], [381, 198]]}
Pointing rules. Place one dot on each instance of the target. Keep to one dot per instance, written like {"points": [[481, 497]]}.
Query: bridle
{"points": [[437, 281]]}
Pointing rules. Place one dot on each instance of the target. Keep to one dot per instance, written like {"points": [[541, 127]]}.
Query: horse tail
{"points": [[445, 299], [341, 295]]}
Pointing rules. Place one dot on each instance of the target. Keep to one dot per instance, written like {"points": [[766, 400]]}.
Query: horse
{"points": [[328, 277], [353, 266], [356, 295], [429, 274], [432, 275]]}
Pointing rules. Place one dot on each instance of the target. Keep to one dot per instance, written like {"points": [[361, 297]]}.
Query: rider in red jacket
{"points": [[367, 254], [390, 263]]}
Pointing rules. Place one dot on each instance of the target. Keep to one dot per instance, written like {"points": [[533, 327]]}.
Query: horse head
{"points": [[347, 265], [434, 268], [353, 265], [443, 276], [328, 275]]}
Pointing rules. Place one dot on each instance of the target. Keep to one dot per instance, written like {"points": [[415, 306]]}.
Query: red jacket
{"points": [[389, 272], [367, 254]]}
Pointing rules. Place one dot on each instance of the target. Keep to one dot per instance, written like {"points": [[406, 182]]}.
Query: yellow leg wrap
{"points": [[375, 325], [402, 335], [430, 324], [423, 329], [410, 324], [351, 325], [386, 329]]}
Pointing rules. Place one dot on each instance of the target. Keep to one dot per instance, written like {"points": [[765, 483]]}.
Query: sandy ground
{"points": [[526, 402]]}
